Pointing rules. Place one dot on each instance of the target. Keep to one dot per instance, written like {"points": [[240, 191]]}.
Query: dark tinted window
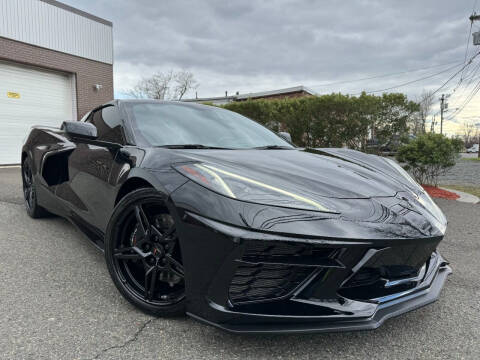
{"points": [[108, 125]]}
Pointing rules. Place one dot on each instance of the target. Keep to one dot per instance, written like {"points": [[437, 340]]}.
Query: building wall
{"points": [[88, 72], [56, 26]]}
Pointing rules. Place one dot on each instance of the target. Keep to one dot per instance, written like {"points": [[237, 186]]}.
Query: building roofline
{"points": [[210, 98], [256, 94], [276, 92], [77, 11]]}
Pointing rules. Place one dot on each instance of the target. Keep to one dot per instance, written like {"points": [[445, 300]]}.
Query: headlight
{"points": [[243, 188]]}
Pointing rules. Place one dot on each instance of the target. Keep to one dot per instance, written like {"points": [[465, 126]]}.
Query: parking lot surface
{"points": [[465, 172], [57, 302]]}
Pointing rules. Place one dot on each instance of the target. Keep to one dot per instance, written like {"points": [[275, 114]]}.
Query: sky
{"points": [[328, 46]]}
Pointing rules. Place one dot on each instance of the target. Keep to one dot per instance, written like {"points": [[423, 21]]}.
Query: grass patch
{"points": [[474, 190], [471, 159]]}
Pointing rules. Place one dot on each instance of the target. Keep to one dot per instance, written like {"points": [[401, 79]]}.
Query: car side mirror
{"points": [[286, 136], [80, 129]]}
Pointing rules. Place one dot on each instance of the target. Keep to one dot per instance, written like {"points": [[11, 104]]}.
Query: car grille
{"points": [[258, 282], [270, 270], [404, 263], [301, 254]]}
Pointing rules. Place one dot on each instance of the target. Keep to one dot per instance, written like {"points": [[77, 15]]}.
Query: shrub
{"points": [[333, 120], [429, 156]]}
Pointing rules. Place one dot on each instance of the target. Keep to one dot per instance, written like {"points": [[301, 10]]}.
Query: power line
{"points": [[472, 94], [472, 72], [468, 43], [427, 77], [470, 77], [451, 77], [466, 101], [466, 53], [385, 75], [412, 81], [464, 77]]}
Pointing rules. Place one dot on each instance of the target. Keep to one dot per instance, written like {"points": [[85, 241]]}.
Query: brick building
{"points": [[56, 63]]}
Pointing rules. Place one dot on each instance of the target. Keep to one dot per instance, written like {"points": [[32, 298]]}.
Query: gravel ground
{"points": [[57, 302]]}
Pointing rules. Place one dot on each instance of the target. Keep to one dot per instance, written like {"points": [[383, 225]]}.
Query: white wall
{"points": [[39, 23]]}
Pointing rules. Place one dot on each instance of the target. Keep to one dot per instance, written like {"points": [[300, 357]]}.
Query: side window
{"points": [[108, 125]]}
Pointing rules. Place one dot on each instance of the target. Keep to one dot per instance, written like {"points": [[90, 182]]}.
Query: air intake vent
{"points": [[270, 270], [291, 253], [278, 248], [260, 282]]}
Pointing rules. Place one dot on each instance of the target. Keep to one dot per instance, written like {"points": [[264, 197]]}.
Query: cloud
{"points": [[260, 45]]}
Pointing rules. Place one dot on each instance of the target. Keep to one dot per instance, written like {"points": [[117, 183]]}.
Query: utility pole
{"points": [[476, 42], [442, 107]]}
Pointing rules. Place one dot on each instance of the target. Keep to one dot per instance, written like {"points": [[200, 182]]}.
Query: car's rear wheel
{"points": [[143, 254], [30, 191]]}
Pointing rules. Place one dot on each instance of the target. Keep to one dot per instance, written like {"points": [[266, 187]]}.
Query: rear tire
{"points": [[30, 191], [143, 254]]}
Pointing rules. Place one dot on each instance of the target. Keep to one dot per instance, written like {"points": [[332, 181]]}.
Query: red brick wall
{"points": [[88, 72]]}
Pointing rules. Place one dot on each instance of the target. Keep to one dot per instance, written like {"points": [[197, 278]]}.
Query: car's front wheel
{"points": [[143, 254], [30, 191]]}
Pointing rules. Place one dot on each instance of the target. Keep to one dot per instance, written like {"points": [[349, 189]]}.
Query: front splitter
{"points": [[384, 312]]}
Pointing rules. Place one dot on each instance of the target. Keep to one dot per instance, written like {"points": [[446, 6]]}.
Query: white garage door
{"points": [[31, 96]]}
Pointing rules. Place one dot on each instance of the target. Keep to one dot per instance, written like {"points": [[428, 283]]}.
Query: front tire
{"points": [[143, 254], [30, 191]]}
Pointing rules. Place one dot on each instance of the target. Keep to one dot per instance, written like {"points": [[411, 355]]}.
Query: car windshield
{"points": [[180, 125]]}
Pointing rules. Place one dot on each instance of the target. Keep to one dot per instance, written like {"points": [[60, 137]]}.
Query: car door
{"points": [[90, 165]]}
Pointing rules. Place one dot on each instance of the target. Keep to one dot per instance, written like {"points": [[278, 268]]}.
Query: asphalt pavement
{"points": [[465, 172], [57, 302]]}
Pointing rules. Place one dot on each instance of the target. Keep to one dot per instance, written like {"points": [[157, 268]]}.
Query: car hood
{"points": [[326, 173]]}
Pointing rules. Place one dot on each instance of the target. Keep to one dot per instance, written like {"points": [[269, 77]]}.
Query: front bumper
{"points": [[247, 281], [259, 324]]}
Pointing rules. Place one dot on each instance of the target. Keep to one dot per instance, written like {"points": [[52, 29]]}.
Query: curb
{"points": [[464, 197]]}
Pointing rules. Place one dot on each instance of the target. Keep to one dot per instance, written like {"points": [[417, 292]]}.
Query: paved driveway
{"points": [[57, 302]]}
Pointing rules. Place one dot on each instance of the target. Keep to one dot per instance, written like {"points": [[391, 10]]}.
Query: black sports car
{"points": [[204, 211]]}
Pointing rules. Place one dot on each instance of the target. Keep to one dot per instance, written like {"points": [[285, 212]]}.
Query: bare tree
{"points": [[164, 86], [155, 87], [469, 134], [185, 81], [425, 101]]}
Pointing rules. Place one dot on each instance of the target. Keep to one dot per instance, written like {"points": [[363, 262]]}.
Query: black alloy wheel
{"points": [[30, 192], [143, 254]]}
